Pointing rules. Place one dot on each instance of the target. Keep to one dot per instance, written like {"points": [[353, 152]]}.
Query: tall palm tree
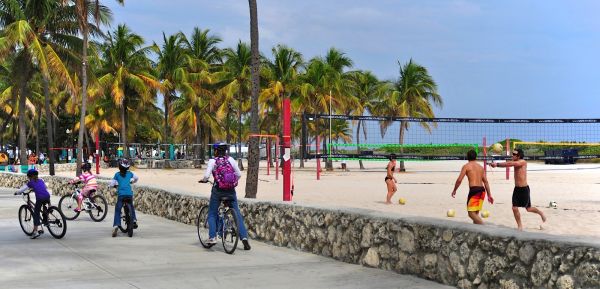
{"points": [[127, 72], [82, 9], [203, 58], [237, 69], [21, 21], [365, 88], [413, 94], [253, 151], [171, 70]]}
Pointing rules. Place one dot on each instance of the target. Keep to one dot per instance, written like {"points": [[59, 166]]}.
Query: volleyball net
{"points": [[422, 139]]}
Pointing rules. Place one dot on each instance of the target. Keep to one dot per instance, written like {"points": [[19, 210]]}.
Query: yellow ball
{"points": [[497, 148], [401, 201], [485, 214], [450, 213]]}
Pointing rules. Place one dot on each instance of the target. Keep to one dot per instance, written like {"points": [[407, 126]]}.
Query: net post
{"points": [[318, 158], [287, 155], [97, 154], [507, 154], [484, 156], [276, 158], [268, 156]]}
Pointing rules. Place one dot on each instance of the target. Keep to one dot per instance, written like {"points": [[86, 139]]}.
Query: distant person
{"points": [[225, 173], [42, 158], [477, 180], [32, 160], [521, 193], [390, 180]]}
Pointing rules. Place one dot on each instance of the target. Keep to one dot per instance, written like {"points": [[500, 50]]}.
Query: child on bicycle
{"points": [[222, 167], [90, 185], [42, 196], [123, 180]]}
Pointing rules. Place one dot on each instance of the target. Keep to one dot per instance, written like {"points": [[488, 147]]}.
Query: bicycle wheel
{"points": [[124, 226], [26, 219], [230, 235], [202, 227], [56, 222], [98, 209], [129, 220], [67, 206]]}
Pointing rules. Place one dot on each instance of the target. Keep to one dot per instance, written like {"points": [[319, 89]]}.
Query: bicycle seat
{"points": [[226, 199], [92, 191], [126, 200]]}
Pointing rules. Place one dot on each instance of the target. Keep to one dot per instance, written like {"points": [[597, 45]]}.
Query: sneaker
{"points": [[114, 232], [135, 225], [211, 241], [77, 210], [246, 244], [41, 232], [35, 235]]}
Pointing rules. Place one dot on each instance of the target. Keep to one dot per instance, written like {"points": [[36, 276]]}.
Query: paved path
{"points": [[165, 254]]}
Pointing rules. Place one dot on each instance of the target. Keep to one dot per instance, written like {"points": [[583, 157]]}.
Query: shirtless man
{"points": [[477, 180], [520, 197]]}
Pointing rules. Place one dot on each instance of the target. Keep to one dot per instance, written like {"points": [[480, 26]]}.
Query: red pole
{"points": [[484, 156], [277, 158], [287, 155], [318, 159], [268, 156], [97, 154], [508, 154]]}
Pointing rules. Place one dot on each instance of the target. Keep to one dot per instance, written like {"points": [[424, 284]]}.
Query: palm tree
{"points": [[236, 71], [22, 22], [203, 58], [365, 88], [253, 152], [413, 94], [127, 72], [82, 9], [171, 70]]}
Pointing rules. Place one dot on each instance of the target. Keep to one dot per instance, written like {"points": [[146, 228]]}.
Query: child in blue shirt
{"points": [[42, 196], [123, 180]]}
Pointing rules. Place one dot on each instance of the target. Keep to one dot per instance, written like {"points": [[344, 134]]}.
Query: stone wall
{"points": [[452, 253]]}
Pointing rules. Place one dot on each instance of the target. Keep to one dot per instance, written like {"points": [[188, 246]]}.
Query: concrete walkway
{"points": [[164, 254]]}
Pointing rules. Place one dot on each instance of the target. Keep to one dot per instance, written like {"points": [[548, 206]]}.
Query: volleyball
{"points": [[485, 214], [497, 148], [553, 204], [401, 201], [450, 213]]}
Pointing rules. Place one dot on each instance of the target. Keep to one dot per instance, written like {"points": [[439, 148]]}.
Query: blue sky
{"points": [[504, 59]]}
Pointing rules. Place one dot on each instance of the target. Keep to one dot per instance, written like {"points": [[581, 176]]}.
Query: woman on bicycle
{"points": [[220, 162], [390, 180], [123, 180], [90, 185], [42, 196]]}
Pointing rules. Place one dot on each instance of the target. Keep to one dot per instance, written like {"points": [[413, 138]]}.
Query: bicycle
{"points": [[95, 205], [127, 218], [227, 226], [52, 218]]}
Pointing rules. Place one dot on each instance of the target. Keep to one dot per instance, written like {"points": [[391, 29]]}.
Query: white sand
{"points": [[426, 187]]}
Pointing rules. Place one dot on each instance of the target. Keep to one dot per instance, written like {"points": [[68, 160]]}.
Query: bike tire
{"points": [[130, 221], [67, 206], [124, 226], [99, 209], [56, 222], [202, 227], [230, 235], [26, 219]]}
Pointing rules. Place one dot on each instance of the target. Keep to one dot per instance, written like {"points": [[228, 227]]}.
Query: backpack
{"points": [[224, 174]]}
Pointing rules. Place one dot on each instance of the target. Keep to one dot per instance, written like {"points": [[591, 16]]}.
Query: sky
{"points": [[492, 59]]}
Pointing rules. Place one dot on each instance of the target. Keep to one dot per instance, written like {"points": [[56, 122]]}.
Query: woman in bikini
{"points": [[390, 180]]}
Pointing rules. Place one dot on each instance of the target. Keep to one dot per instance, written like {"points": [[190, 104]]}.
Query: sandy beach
{"points": [[426, 186]]}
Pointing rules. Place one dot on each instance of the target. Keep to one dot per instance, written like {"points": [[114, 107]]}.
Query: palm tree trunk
{"points": [[23, 93], [167, 101], [360, 162], [198, 146], [84, 82], [37, 130], [49, 126], [402, 129], [228, 125], [240, 163], [253, 150], [124, 130]]}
